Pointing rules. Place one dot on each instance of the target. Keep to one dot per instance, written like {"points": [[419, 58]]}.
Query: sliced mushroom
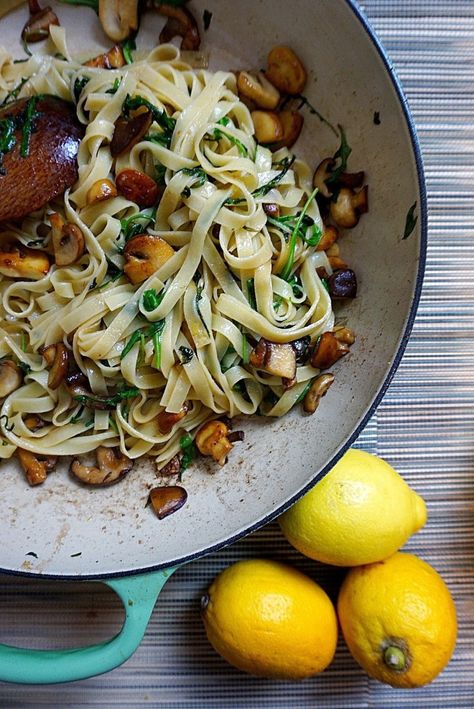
{"points": [[145, 254], [352, 179], [166, 500], [138, 187], [166, 420], [342, 284], [101, 190], [18, 261], [327, 350], [173, 467], [329, 237], [129, 131], [113, 59], [348, 206], [36, 469], [322, 173], [316, 392], [337, 263], [277, 359], [258, 89], [11, 377], [292, 124], [57, 357], [112, 467], [268, 128], [67, 239], [301, 348], [119, 18], [180, 23], [344, 334], [285, 71], [33, 422], [39, 22], [271, 210], [212, 439]]}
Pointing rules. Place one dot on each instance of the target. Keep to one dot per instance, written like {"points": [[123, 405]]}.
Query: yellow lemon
{"points": [[398, 620], [362, 511], [271, 620]]}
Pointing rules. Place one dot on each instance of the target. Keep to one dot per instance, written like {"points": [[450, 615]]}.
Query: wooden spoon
{"points": [[50, 166]]}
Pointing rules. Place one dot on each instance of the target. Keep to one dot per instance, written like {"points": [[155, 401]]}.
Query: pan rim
{"points": [[266, 519]]}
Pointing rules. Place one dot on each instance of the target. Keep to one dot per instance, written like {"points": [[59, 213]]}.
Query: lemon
{"points": [[271, 620], [361, 512], [398, 620]]}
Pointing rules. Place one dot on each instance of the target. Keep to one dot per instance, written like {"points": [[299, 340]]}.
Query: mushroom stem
{"points": [[395, 658]]}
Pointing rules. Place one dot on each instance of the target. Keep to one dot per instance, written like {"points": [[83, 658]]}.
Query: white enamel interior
{"points": [[77, 531]]}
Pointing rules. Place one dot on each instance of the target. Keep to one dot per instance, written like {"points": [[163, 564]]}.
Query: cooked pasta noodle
{"points": [[223, 288]]}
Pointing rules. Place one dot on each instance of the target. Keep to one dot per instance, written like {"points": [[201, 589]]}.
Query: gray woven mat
{"points": [[424, 427]]}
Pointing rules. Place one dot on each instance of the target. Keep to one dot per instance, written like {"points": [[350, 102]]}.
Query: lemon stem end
{"points": [[395, 658]]}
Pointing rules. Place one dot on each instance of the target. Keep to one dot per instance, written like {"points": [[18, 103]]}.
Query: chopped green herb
{"points": [[131, 226], [114, 88], [79, 84], [25, 368], [286, 164], [196, 172], [108, 401], [340, 156], [325, 283], [113, 424], [153, 332], [186, 354], [152, 299], [304, 392], [77, 417], [218, 134], [161, 117], [160, 171], [197, 299], [25, 46], [251, 293], [24, 342], [28, 126], [206, 19], [128, 46], [13, 94], [410, 222], [314, 112], [189, 451], [113, 273], [159, 138], [287, 224], [7, 139], [288, 267]]}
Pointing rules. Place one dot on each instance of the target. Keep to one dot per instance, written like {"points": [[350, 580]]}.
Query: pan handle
{"points": [[138, 595]]}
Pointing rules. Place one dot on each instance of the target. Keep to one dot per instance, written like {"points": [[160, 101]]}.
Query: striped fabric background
{"points": [[424, 427]]}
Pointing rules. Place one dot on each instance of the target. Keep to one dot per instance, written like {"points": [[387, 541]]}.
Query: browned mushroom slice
{"points": [[348, 206], [138, 187], [180, 23], [113, 59], [166, 500], [258, 89], [292, 124], [129, 131], [322, 173], [119, 18], [39, 22], [36, 469], [100, 191], [327, 351], [10, 377], [342, 284], [18, 261], [34, 423], [173, 467], [301, 348], [145, 254], [112, 467], [286, 71], [352, 179], [317, 390], [67, 239], [268, 127], [271, 209], [57, 358], [329, 237], [277, 359], [166, 420]]}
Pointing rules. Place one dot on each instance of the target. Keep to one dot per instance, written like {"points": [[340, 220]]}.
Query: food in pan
{"points": [[186, 277]]}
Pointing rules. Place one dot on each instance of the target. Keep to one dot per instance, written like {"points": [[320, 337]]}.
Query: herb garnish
{"points": [[341, 155], [131, 226], [152, 331], [77, 417], [7, 139], [287, 224], [128, 45], [152, 299], [245, 349], [114, 88], [108, 401], [251, 293], [13, 94], [304, 392], [161, 117], [28, 126], [286, 164], [288, 267], [218, 134], [410, 222], [79, 84], [197, 299], [188, 447]]}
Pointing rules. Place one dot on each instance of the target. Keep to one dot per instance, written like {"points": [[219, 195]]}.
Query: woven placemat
{"points": [[424, 427]]}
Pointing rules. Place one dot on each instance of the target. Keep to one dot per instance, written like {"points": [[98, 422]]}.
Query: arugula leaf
{"points": [[114, 88], [251, 293], [152, 331], [341, 155], [197, 172], [79, 84], [218, 134], [131, 226], [159, 138], [304, 392], [265, 189], [77, 417], [12, 95], [113, 273], [25, 368], [161, 117], [410, 222], [287, 224], [288, 267], [109, 401], [188, 447], [152, 299], [128, 45], [28, 125]]}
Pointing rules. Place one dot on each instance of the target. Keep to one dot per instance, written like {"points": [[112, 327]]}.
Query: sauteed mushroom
{"points": [[321, 174], [316, 392], [180, 23], [342, 284], [277, 359], [138, 187], [119, 18], [18, 261], [286, 71], [348, 206], [129, 131], [112, 467], [10, 377], [36, 469], [145, 254], [57, 357], [291, 124], [166, 500], [212, 439], [166, 420], [268, 128], [39, 22], [257, 88], [327, 351], [113, 59], [101, 190], [67, 239]]}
